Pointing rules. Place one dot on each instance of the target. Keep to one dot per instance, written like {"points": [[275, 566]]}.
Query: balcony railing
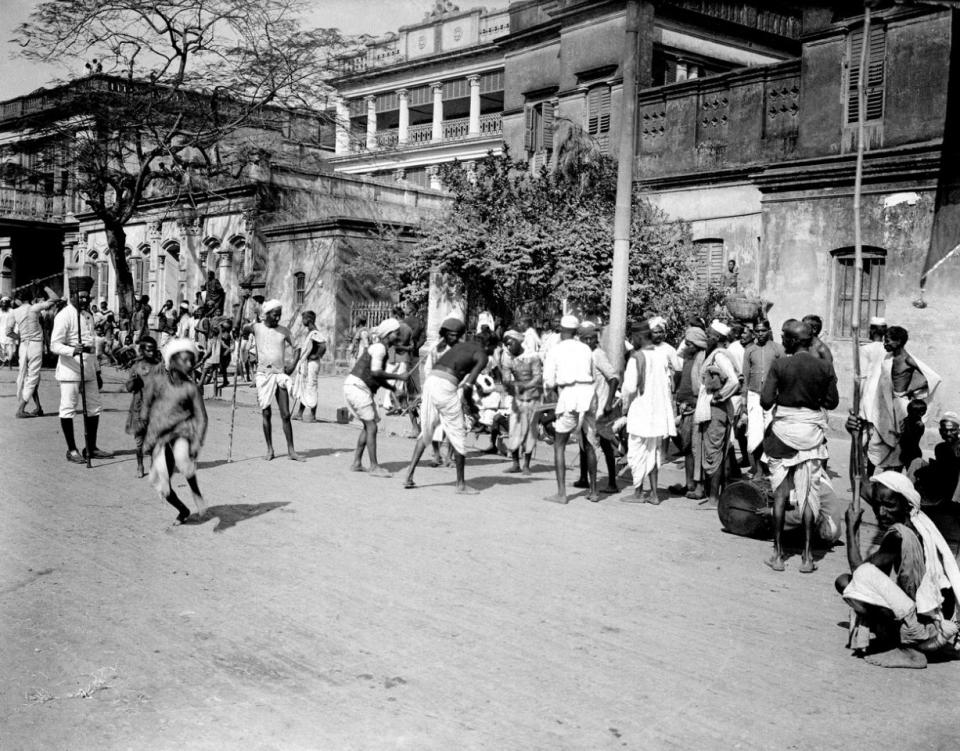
{"points": [[418, 135], [29, 204]]}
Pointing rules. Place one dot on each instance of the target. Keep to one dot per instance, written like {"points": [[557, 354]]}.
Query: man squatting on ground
{"points": [[273, 372], [74, 337], [176, 424], [360, 392], [523, 378], [143, 369], [650, 418], [446, 391], [29, 332], [568, 369], [905, 594], [800, 389]]}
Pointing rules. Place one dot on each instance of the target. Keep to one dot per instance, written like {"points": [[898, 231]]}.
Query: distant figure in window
{"points": [[731, 280]]}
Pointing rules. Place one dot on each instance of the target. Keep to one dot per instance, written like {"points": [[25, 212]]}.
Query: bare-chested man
{"points": [[818, 348], [445, 392], [273, 370], [523, 379]]}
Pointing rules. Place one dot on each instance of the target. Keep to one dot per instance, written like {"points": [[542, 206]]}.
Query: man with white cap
{"points": [[569, 370], [277, 356], [360, 390], [174, 421], [446, 391], [898, 593], [74, 337], [719, 382], [523, 378], [937, 479], [650, 418], [799, 389], [29, 334]]}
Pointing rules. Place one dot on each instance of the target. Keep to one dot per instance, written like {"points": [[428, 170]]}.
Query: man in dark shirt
{"points": [[445, 392], [801, 387], [215, 294]]}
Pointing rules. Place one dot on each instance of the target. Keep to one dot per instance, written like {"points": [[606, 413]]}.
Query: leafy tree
{"points": [[181, 95], [520, 243]]}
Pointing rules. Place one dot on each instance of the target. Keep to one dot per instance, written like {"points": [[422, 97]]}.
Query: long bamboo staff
{"points": [[857, 462], [83, 388], [236, 377]]}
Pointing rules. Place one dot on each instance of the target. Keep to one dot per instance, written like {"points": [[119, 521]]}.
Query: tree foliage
{"points": [[520, 243], [181, 93]]}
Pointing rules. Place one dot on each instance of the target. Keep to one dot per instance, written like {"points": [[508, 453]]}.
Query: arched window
{"points": [[709, 262], [299, 288], [873, 291]]}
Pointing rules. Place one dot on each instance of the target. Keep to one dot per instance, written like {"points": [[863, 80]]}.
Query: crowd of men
{"points": [[726, 387]]}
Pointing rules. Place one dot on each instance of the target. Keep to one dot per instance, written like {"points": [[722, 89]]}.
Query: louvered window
{"points": [[708, 266], [299, 288], [598, 110], [538, 128], [876, 69], [387, 102], [491, 82], [872, 290]]}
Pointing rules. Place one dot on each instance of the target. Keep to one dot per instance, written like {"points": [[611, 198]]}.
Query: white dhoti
{"points": [[643, 457], [182, 460], [803, 430], [267, 385], [305, 385], [757, 421], [28, 377], [523, 429], [441, 406]]}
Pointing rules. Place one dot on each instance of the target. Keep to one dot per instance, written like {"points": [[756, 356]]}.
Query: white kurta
{"points": [[651, 413]]}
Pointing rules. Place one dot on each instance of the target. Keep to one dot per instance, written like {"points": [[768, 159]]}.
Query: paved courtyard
{"points": [[316, 608]]}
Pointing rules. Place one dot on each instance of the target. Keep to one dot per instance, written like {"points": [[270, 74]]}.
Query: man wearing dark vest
{"points": [[360, 388]]}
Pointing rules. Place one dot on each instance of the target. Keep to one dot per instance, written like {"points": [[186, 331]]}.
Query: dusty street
{"points": [[316, 608]]}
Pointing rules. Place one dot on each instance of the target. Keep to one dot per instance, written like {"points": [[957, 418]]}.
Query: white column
{"points": [[371, 101], [342, 126], [474, 127], [437, 111], [403, 131]]}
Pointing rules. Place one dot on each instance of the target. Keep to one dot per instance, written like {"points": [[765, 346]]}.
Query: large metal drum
{"points": [[738, 507]]}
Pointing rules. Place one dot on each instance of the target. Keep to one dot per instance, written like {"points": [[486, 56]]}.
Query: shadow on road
{"points": [[231, 514]]}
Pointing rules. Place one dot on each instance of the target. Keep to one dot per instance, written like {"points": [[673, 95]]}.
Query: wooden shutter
{"points": [[709, 262], [603, 117], [876, 69], [528, 128], [547, 125], [593, 111]]}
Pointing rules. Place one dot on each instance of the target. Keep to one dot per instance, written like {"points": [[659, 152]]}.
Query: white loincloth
{"points": [[441, 405], [305, 384], [803, 430], [643, 456], [871, 586], [267, 385]]}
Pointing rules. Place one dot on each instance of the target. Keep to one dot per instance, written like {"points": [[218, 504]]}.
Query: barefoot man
{"points": [[800, 388], [568, 369], [445, 392], [360, 391], [273, 370], [30, 335], [897, 594], [523, 378], [312, 349]]}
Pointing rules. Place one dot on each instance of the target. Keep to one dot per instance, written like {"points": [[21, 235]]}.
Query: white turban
{"points": [[387, 327], [178, 345], [571, 323], [657, 322], [270, 305], [720, 327], [878, 321], [900, 483], [512, 334]]}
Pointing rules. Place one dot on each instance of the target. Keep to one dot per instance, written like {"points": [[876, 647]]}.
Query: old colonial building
{"points": [[467, 82]]}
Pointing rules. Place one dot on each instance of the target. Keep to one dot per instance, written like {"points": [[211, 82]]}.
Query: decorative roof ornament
{"points": [[442, 8]]}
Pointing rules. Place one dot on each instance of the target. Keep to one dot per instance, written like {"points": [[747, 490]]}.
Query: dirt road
{"points": [[317, 608]]}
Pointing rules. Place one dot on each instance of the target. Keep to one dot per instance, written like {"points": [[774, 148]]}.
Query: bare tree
{"points": [[179, 94]]}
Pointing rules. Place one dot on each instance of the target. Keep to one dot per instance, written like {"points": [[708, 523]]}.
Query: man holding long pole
{"points": [[73, 340]]}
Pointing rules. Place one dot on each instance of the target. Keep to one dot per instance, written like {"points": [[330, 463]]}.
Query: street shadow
{"points": [[229, 515], [313, 453], [489, 481], [220, 462]]}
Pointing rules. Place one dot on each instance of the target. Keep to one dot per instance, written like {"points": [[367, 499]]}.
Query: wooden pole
{"points": [[857, 449], [236, 377], [616, 331]]}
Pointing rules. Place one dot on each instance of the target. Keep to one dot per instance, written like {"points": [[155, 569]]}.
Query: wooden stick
{"points": [[236, 377], [857, 452], [83, 389]]}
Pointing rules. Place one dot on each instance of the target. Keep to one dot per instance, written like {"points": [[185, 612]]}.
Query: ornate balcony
{"points": [[35, 205], [422, 135]]}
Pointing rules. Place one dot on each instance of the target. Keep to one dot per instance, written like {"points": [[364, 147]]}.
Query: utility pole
{"points": [[617, 329]]}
